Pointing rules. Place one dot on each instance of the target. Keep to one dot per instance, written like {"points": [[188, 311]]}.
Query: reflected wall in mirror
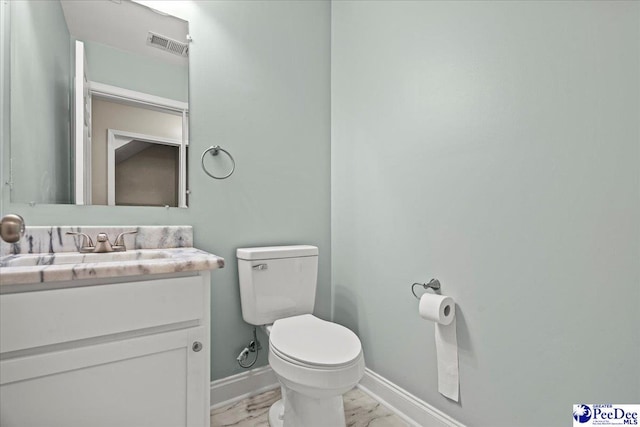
{"points": [[99, 103]]}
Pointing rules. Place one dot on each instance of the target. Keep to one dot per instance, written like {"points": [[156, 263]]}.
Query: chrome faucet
{"points": [[103, 244]]}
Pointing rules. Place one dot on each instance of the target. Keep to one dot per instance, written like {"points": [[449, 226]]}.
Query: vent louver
{"points": [[167, 44]]}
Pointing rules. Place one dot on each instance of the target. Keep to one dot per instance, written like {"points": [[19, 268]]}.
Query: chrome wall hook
{"points": [[433, 284]]}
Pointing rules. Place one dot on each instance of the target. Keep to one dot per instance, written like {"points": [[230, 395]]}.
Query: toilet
{"points": [[315, 361]]}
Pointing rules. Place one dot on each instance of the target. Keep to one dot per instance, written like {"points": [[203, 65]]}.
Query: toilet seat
{"points": [[310, 342], [315, 367]]}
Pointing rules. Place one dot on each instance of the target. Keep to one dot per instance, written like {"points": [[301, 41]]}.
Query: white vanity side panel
{"points": [[34, 319], [199, 376]]}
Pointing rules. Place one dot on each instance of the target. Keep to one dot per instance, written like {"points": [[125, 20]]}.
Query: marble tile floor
{"points": [[360, 411]]}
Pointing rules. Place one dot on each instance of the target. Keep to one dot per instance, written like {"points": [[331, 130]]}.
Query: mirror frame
{"points": [[5, 104], [177, 9]]}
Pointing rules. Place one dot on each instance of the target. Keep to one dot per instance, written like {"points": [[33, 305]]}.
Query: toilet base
{"points": [[275, 414], [297, 409]]}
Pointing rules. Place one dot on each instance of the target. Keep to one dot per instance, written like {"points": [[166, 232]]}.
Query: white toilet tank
{"points": [[277, 282]]}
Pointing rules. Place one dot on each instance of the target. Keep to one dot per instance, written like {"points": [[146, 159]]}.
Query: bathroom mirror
{"points": [[99, 103]]}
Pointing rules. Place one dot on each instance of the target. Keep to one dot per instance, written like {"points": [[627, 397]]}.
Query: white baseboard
{"points": [[414, 411], [245, 384]]}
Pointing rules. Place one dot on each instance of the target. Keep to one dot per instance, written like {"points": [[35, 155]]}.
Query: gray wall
{"points": [[495, 146], [40, 84], [117, 67], [260, 87]]}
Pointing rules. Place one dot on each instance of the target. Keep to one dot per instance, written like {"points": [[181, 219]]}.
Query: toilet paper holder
{"points": [[433, 284]]}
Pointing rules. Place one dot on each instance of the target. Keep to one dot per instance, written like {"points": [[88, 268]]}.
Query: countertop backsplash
{"points": [[40, 239]]}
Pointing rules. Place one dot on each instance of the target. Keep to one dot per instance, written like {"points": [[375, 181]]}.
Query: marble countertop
{"points": [[47, 254], [93, 266]]}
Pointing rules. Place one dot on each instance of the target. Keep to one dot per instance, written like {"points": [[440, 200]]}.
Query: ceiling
{"points": [[124, 25]]}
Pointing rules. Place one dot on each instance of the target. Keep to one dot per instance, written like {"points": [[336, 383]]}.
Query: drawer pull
{"points": [[197, 346]]}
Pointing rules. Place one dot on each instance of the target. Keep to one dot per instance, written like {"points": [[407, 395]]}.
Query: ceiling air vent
{"points": [[170, 45]]}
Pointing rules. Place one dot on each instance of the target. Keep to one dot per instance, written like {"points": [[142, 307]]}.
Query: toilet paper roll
{"points": [[437, 308], [442, 310]]}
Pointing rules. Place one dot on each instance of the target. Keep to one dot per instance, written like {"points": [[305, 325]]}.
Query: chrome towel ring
{"points": [[215, 150]]}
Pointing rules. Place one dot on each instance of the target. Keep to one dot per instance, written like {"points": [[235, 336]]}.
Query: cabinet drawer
{"points": [[34, 319]]}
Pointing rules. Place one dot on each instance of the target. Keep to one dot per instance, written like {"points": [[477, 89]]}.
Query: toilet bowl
{"points": [[315, 361]]}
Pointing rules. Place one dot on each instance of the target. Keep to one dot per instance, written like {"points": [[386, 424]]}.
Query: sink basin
{"points": [[78, 258]]}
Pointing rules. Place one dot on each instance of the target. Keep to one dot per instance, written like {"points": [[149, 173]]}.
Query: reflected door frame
{"points": [[82, 128], [117, 138]]}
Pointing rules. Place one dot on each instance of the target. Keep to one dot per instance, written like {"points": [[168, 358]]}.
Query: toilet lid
{"points": [[313, 341]]}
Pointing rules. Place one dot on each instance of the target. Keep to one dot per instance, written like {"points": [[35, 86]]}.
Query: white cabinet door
{"points": [[154, 380]]}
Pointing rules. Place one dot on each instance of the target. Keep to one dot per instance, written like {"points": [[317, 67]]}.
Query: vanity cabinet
{"points": [[131, 353]]}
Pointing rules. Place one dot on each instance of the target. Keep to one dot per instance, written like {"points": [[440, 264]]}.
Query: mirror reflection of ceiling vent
{"points": [[170, 45]]}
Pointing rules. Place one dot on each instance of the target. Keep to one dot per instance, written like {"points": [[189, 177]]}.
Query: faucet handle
{"points": [[119, 242], [11, 228], [87, 243]]}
